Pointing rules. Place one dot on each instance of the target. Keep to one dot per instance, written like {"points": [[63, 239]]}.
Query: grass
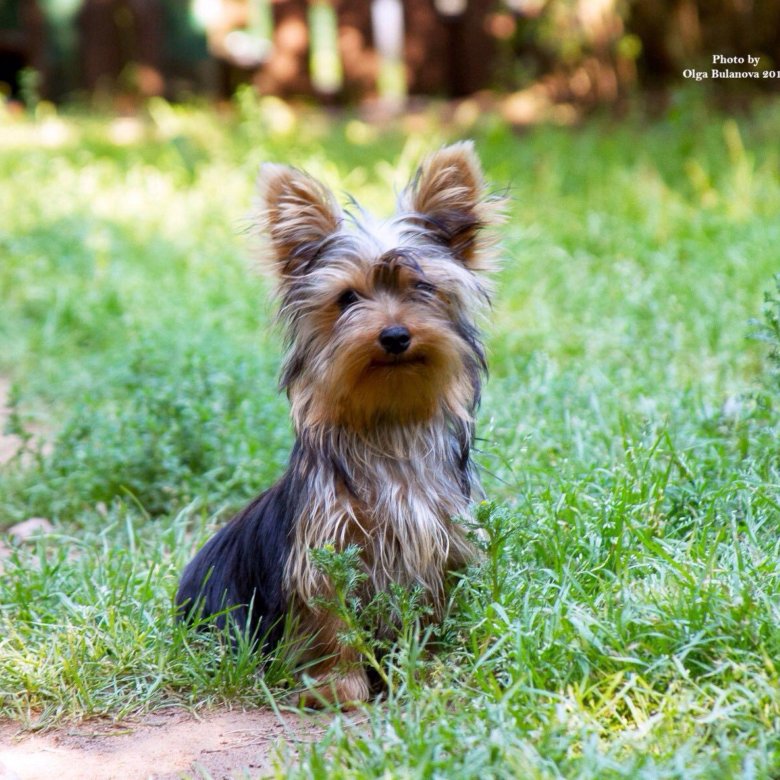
{"points": [[624, 622]]}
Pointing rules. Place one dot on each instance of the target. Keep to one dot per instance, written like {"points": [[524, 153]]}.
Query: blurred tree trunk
{"points": [[116, 33], [287, 71], [359, 59], [452, 56], [22, 43]]}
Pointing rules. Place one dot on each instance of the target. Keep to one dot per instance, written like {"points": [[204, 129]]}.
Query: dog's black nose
{"points": [[395, 340]]}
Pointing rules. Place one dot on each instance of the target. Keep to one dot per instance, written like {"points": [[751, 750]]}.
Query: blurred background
{"points": [[547, 59]]}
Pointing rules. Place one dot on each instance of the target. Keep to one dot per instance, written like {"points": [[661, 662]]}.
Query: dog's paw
{"points": [[346, 690]]}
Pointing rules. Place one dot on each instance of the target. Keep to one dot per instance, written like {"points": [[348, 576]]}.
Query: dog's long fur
{"points": [[383, 371]]}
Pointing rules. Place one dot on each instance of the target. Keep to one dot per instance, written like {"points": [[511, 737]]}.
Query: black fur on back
{"points": [[241, 568]]}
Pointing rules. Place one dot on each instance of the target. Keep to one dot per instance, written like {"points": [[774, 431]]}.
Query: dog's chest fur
{"points": [[394, 495]]}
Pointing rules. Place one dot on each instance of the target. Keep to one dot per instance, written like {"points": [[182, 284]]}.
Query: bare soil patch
{"points": [[8, 444], [165, 745]]}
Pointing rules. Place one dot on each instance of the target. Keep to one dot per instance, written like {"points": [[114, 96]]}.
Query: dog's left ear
{"points": [[448, 198]]}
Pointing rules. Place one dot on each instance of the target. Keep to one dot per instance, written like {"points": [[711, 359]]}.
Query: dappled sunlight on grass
{"points": [[623, 621]]}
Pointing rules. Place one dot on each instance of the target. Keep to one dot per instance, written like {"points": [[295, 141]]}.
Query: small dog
{"points": [[383, 373]]}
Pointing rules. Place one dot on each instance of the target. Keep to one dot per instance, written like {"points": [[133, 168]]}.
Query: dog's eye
{"points": [[425, 288], [347, 298]]}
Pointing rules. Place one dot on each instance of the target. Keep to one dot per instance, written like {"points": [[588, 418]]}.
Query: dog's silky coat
{"points": [[383, 371]]}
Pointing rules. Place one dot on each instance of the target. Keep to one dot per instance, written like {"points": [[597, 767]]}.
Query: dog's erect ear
{"points": [[447, 197], [296, 213]]}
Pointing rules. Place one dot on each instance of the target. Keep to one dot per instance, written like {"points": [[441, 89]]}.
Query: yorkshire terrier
{"points": [[383, 372]]}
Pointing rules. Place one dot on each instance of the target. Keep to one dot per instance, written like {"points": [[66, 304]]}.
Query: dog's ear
{"points": [[296, 214], [447, 198]]}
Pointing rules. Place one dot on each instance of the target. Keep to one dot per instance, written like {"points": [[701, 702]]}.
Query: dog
{"points": [[383, 371]]}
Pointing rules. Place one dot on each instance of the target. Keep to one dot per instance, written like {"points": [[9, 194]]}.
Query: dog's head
{"points": [[381, 317]]}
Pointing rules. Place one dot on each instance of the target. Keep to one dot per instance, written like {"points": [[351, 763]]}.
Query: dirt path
{"points": [[164, 746]]}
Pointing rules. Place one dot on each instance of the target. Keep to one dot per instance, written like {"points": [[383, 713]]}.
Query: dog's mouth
{"points": [[393, 361]]}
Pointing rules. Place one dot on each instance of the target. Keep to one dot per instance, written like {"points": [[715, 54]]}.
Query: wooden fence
{"points": [[331, 49]]}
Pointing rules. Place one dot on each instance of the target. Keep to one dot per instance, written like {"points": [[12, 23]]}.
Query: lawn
{"points": [[625, 620]]}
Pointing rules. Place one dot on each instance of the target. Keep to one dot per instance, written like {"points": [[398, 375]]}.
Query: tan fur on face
{"points": [[355, 383]]}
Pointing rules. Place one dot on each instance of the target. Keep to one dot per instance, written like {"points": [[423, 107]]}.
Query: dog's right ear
{"points": [[297, 214]]}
